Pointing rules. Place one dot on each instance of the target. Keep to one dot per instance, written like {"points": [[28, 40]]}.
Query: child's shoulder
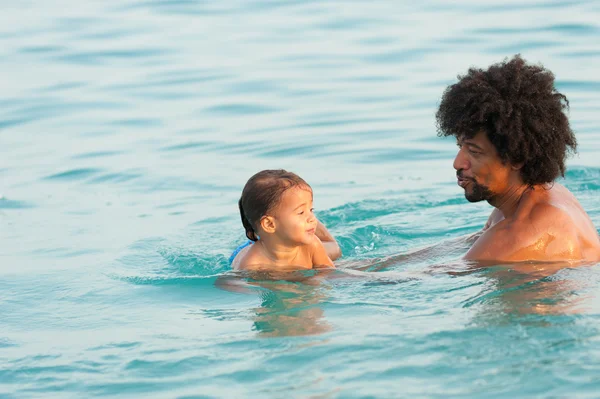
{"points": [[246, 258]]}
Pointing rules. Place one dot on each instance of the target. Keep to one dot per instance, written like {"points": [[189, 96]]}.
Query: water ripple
{"points": [[207, 145], [97, 154], [401, 56], [74, 174], [185, 7], [41, 49], [578, 85], [573, 29], [163, 109], [241, 109], [101, 57]]}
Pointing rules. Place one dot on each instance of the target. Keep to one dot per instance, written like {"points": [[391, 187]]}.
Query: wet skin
{"points": [[542, 223], [288, 239]]}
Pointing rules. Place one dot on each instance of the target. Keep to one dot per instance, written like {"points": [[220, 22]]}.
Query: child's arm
{"points": [[319, 255], [329, 243]]}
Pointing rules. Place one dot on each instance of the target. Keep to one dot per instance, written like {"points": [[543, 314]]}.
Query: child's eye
{"points": [[301, 213], [312, 210]]}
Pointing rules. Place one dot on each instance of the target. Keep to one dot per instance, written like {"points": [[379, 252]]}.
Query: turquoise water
{"points": [[128, 129]]}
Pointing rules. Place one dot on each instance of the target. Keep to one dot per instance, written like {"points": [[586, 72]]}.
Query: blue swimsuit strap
{"points": [[238, 250]]}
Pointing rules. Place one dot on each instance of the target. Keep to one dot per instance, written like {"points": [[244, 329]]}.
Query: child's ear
{"points": [[267, 223]]}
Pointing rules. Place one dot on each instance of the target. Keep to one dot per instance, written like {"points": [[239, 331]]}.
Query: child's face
{"points": [[294, 216]]}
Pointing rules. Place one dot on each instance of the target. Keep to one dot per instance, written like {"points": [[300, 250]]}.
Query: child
{"points": [[276, 211]]}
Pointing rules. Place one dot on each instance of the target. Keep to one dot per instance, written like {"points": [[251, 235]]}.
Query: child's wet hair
{"points": [[262, 193]]}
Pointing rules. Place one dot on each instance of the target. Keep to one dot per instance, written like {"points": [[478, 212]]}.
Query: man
{"points": [[513, 139]]}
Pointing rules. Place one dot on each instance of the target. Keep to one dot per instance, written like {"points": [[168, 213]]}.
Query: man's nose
{"points": [[461, 161]]}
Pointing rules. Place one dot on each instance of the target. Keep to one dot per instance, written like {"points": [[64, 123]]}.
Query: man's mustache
{"points": [[460, 175]]}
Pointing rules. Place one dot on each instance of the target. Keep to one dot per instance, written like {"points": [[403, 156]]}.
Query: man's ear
{"points": [[267, 223], [517, 166]]}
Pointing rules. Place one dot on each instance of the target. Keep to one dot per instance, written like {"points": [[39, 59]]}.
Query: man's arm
{"points": [[503, 242], [319, 256], [443, 248], [331, 246]]}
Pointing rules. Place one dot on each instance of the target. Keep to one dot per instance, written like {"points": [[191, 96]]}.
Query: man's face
{"points": [[479, 169]]}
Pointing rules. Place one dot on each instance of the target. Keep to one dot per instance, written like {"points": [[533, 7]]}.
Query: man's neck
{"points": [[508, 202], [278, 252]]}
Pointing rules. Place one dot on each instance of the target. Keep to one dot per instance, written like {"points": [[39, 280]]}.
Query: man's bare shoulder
{"points": [[543, 208], [564, 218], [545, 215], [540, 230]]}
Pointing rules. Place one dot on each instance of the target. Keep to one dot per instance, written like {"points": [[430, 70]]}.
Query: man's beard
{"points": [[479, 192]]}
